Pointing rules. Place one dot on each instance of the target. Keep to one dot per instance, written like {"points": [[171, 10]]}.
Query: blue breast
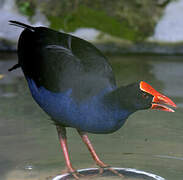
{"points": [[90, 116]]}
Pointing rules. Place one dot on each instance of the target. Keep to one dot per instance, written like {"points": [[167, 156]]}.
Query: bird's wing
{"points": [[59, 61]]}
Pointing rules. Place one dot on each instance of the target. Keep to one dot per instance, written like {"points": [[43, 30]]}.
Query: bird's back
{"points": [[59, 61]]}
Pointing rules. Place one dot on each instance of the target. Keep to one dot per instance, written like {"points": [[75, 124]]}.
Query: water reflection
{"points": [[29, 148]]}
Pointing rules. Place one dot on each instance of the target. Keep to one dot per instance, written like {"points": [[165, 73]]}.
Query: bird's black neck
{"points": [[121, 98]]}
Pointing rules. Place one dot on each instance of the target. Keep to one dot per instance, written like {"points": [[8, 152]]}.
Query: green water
{"points": [[150, 140]]}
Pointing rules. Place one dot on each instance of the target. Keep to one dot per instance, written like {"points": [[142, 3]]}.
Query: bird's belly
{"points": [[90, 116]]}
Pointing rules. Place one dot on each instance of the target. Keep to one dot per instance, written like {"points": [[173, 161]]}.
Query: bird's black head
{"points": [[133, 98], [139, 96]]}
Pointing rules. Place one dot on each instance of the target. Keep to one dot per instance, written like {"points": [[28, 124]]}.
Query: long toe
{"points": [[76, 175], [101, 171], [116, 172]]}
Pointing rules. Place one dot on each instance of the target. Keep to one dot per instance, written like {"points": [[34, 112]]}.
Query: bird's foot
{"points": [[101, 170], [79, 176], [74, 173]]}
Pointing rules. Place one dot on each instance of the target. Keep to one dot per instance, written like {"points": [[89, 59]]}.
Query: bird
{"points": [[73, 82]]}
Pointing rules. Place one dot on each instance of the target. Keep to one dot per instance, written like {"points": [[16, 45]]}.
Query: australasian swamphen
{"points": [[73, 83]]}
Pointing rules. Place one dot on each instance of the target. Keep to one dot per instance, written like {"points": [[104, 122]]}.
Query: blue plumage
{"points": [[91, 115]]}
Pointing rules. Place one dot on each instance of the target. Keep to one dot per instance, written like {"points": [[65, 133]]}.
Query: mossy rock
{"points": [[132, 20], [87, 17], [26, 7]]}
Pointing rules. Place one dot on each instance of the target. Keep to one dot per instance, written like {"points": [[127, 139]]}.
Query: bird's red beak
{"points": [[159, 101]]}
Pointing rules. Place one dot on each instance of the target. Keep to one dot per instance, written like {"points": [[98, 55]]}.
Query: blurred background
{"points": [[143, 40]]}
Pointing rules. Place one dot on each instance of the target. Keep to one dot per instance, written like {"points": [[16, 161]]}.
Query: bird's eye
{"points": [[145, 95]]}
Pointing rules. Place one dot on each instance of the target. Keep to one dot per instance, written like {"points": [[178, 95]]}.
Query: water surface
{"points": [[150, 140]]}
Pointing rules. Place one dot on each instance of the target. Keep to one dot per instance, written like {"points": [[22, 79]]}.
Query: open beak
{"points": [[159, 101]]}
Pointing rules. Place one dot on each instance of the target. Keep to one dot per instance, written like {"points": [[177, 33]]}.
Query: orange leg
{"points": [[94, 155], [92, 150], [63, 142]]}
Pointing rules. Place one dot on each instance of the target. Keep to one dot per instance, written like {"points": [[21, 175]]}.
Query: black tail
{"points": [[22, 25], [14, 67]]}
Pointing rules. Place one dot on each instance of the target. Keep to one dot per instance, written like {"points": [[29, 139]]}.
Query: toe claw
{"points": [[101, 170], [116, 172], [75, 174]]}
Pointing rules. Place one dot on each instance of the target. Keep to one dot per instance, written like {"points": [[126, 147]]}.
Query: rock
{"points": [[9, 34], [6, 45], [170, 27], [142, 48], [117, 26]]}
